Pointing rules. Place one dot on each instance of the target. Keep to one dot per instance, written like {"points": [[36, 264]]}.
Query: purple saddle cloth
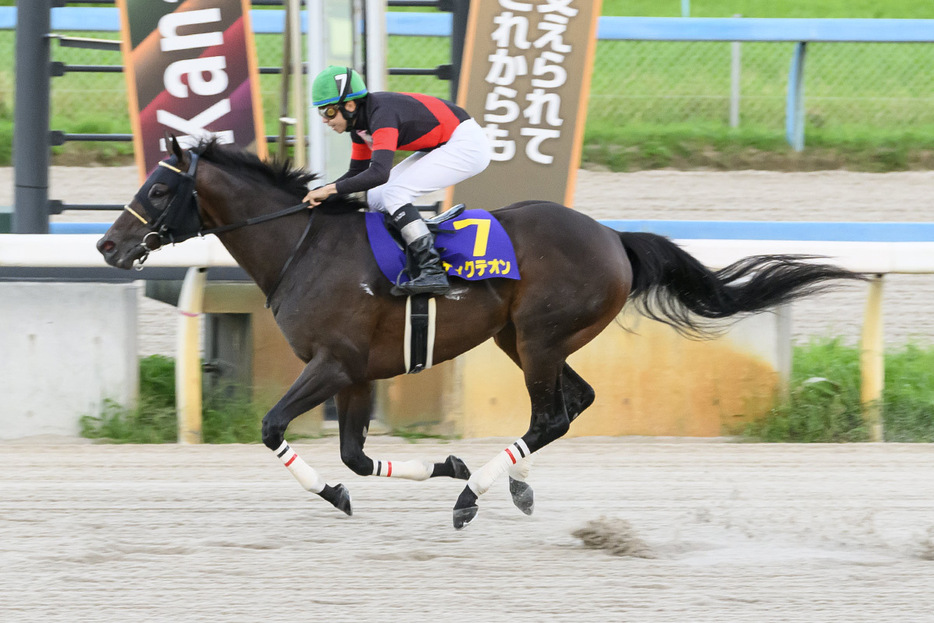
{"points": [[473, 246]]}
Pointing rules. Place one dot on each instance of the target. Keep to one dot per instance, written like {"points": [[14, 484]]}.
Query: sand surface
{"points": [[700, 195], [738, 532]]}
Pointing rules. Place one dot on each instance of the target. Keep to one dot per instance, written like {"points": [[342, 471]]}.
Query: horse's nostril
{"points": [[106, 246]]}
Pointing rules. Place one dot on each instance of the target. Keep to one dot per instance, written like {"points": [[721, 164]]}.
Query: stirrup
{"points": [[447, 215], [411, 288]]}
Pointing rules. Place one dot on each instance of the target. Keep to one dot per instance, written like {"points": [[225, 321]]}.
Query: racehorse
{"points": [[335, 308]]}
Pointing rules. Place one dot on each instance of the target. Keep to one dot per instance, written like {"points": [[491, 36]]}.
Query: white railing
{"points": [[876, 259]]}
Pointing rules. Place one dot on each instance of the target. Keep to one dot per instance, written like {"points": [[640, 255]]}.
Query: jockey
{"points": [[449, 147]]}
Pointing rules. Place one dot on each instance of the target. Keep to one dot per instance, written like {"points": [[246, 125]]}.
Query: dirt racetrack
{"points": [[739, 532]]}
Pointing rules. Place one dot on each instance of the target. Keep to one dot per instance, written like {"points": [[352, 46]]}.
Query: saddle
{"points": [[472, 243], [434, 224]]}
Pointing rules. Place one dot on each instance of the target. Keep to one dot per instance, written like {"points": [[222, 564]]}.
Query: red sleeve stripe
{"points": [[386, 138], [359, 151]]}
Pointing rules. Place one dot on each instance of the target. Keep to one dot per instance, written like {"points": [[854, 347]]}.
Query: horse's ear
{"points": [[172, 145]]}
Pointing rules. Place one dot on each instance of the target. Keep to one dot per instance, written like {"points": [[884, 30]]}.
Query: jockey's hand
{"points": [[317, 195]]}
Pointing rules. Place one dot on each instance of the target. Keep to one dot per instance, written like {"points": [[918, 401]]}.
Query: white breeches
{"points": [[462, 157]]}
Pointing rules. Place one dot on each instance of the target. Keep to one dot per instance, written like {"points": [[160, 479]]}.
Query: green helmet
{"points": [[336, 85]]}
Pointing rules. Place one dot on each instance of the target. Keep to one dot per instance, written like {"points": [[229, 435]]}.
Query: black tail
{"points": [[672, 286]]}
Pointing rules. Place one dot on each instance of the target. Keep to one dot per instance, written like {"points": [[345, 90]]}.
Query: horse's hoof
{"points": [[463, 516], [339, 496], [465, 509], [522, 495], [461, 471]]}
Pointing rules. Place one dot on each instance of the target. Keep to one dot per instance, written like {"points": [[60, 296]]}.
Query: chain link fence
{"points": [[887, 86], [849, 87]]}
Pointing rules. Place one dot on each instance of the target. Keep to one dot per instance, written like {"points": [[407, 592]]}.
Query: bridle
{"points": [[181, 219]]}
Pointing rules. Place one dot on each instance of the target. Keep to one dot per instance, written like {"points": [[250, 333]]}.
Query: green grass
{"points": [[709, 146], [915, 9], [824, 402], [823, 406], [154, 420]]}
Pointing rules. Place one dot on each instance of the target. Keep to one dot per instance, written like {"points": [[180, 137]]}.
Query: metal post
{"points": [[331, 34], [284, 120], [794, 105], [316, 25], [459, 20], [188, 394], [31, 151], [375, 39], [735, 73], [872, 361], [294, 26]]}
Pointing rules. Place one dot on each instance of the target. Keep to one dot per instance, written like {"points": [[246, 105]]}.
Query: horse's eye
{"points": [[157, 192]]}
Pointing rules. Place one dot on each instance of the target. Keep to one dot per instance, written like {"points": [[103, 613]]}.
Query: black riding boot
{"points": [[425, 269], [431, 278]]}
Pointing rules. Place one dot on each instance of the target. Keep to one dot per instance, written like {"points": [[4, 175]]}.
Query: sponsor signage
{"points": [[526, 78], [191, 71]]}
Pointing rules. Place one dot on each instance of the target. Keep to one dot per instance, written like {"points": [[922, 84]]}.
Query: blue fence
{"points": [[103, 19], [710, 230]]}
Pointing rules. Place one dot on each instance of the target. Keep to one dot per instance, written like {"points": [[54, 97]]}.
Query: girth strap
{"points": [[419, 340]]}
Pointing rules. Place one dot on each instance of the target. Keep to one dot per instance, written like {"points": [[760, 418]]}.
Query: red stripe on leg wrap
{"points": [[388, 469], [511, 456], [290, 460]]}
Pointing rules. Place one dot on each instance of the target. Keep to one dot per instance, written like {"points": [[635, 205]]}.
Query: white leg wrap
{"points": [[520, 471], [304, 473], [481, 481], [411, 470]]}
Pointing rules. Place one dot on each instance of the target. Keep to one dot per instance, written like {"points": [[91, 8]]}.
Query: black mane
{"points": [[295, 181]]}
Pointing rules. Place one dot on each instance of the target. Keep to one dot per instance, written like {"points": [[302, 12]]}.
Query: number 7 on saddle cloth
{"points": [[473, 246]]}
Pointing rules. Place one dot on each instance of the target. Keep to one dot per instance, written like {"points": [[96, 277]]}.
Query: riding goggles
{"points": [[329, 112]]}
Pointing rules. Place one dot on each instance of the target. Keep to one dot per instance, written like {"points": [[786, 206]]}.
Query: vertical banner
{"points": [[191, 70], [526, 79]]}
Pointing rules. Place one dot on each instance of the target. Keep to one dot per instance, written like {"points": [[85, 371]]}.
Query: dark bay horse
{"points": [[334, 305]]}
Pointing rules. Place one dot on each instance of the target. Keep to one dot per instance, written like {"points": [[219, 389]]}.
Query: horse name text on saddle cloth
{"points": [[473, 246]]}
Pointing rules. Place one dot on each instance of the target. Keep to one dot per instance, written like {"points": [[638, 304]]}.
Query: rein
{"points": [[164, 225], [269, 217], [298, 245], [256, 219]]}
